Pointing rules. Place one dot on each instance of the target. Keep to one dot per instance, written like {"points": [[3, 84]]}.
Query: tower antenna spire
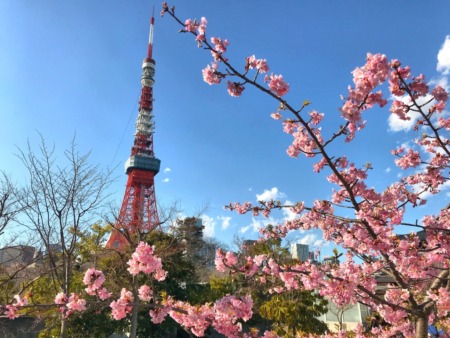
{"points": [[150, 36]]}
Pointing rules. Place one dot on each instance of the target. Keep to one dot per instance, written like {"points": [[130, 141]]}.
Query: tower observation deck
{"points": [[138, 213]]}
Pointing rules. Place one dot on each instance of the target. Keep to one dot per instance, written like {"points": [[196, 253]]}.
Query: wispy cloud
{"points": [[167, 170], [165, 180], [443, 187], [256, 224], [443, 57], [285, 215], [225, 222]]}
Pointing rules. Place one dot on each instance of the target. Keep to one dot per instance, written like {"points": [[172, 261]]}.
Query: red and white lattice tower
{"points": [[139, 211]]}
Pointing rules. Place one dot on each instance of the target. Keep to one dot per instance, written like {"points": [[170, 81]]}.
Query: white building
{"points": [[300, 252]]}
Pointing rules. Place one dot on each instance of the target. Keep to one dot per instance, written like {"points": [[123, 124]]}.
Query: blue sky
{"points": [[74, 67]]}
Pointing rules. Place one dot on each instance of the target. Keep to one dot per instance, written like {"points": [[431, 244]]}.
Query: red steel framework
{"points": [[139, 211]]}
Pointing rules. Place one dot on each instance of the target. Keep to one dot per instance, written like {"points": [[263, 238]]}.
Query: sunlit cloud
{"points": [[272, 194], [443, 66], [443, 57], [397, 124], [289, 215], [443, 187], [225, 222], [312, 240], [210, 224]]}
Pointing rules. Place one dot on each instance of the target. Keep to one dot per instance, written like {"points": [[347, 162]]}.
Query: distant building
{"points": [[18, 254], [248, 243], [53, 248], [300, 252], [196, 248]]}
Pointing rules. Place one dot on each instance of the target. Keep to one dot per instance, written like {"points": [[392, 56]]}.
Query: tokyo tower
{"points": [[138, 212]]}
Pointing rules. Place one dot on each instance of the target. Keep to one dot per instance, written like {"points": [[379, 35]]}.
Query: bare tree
{"points": [[9, 206], [59, 201]]}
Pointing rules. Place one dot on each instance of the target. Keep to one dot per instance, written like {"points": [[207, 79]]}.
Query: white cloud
{"points": [[440, 81], [257, 224], [245, 229], [289, 215], [443, 57], [312, 240], [308, 239], [165, 180], [167, 170], [443, 66], [442, 187], [388, 169], [209, 224], [272, 194], [225, 222], [396, 124], [250, 189]]}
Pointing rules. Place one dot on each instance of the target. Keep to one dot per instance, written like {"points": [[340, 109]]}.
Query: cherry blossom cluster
{"points": [[143, 260], [94, 280], [123, 306], [218, 46], [12, 310], [361, 97], [224, 315], [67, 305]]}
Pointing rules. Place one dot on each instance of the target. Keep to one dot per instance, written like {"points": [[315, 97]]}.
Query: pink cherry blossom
{"points": [[189, 25], [440, 94], [143, 260], [76, 303], [277, 84], [220, 45], [235, 89], [259, 64], [123, 305], [400, 109], [145, 293], [94, 280], [276, 116], [210, 75], [159, 314], [103, 293], [11, 311], [61, 299], [410, 160]]}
